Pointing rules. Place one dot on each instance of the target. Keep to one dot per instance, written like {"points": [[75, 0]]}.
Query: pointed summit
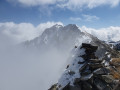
{"points": [[71, 27], [58, 26]]}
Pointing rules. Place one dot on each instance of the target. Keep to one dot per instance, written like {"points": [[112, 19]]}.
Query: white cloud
{"points": [[35, 2], [24, 31], [110, 33], [81, 4], [90, 17]]}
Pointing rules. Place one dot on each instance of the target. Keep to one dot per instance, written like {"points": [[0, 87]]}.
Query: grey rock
{"points": [[102, 71]]}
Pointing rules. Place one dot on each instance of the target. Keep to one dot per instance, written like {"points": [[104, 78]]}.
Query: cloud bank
{"points": [[25, 69], [24, 31], [17, 33], [106, 34]]}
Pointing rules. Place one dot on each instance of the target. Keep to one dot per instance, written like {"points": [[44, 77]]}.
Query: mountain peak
{"points": [[72, 26], [57, 26]]}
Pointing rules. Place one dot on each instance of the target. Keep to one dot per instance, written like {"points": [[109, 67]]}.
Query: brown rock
{"points": [[95, 61], [115, 62]]}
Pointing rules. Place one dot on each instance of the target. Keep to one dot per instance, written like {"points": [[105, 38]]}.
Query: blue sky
{"points": [[95, 15]]}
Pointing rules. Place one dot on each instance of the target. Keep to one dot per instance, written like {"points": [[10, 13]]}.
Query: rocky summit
{"points": [[87, 71]]}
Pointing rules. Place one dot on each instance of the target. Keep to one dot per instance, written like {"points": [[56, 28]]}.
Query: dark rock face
{"points": [[115, 45], [96, 73]]}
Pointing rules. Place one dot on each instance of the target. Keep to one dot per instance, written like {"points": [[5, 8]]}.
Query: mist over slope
{"points": [[38, 63]]}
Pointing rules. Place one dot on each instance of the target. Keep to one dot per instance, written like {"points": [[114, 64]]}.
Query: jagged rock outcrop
{"points": [[89, 71]]}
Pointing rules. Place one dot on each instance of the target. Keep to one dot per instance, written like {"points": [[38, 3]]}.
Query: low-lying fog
{"points": [[22, 69]]}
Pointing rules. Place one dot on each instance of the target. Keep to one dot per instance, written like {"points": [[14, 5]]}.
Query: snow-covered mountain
{"points": [[60, 37], [64, 38]]}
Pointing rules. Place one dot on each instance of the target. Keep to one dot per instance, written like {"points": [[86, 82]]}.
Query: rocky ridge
{"points": [[90, 71]]}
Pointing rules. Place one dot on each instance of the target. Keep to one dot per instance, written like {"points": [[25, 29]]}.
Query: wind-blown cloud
{"points": [[69, 4], [85, 17], [110, 33], [23, 31], [81, 4]]}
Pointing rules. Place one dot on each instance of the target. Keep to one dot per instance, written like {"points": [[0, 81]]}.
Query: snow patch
{"points": [[72, 72]]}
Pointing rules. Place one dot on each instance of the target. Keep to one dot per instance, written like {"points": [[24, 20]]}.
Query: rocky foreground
{"points": [[90, 72]]}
